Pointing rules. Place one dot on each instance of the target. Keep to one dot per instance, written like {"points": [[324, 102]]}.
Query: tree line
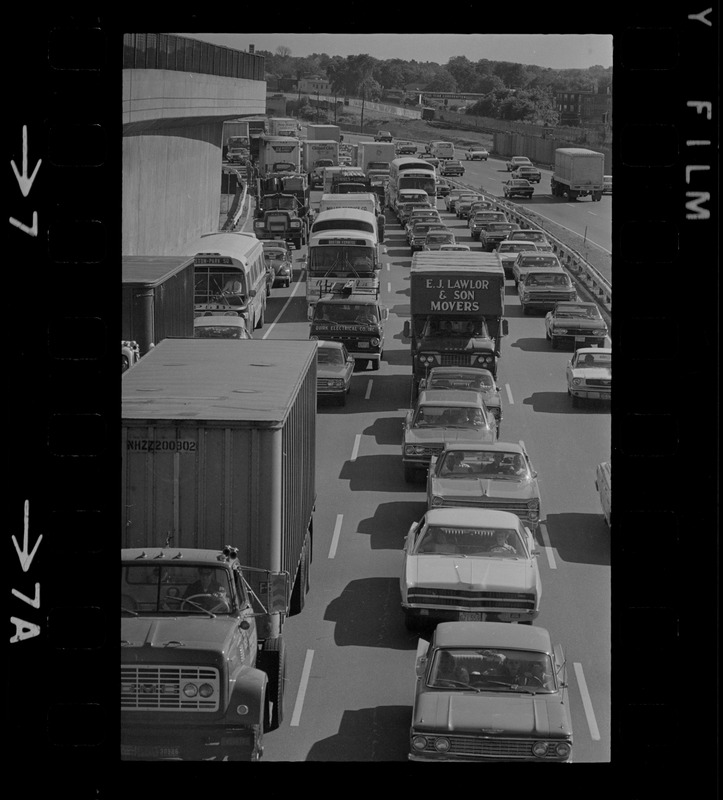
{"points": [[511, 91]]}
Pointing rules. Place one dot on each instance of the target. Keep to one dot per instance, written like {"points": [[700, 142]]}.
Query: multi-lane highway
{"points": [[350, 658]]}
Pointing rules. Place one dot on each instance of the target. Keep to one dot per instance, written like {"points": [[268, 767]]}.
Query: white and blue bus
{"points": [[230, 276], [344, 249], [410, 173]]}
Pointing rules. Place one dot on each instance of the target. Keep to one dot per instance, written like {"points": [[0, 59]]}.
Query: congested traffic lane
{"points": [[351, 660]]}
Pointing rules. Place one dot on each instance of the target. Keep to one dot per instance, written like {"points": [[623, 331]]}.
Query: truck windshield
{"points": [[382, 165], [459, 326], [342, 261], [276, 203], [219, 286], [356, 313], [166, 589]]}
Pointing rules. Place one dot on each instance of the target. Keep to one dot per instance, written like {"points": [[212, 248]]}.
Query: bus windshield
{"points": [[220, 285], [344, 224], [426, 183], [342, 261]]}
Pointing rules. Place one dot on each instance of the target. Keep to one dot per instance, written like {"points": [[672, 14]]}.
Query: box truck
{"points": [[578, 173], [218, 465], [157, 299], [457, 304], [317, 154], [324, 132], [283, 126]]}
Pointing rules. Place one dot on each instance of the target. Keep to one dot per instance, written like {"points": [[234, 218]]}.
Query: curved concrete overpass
{"points": [[172, 145]]}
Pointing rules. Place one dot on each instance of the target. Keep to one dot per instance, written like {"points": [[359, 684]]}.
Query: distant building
{"points": [[584, 108], [314, 84]]}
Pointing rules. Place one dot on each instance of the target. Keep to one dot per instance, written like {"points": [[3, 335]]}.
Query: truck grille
{"points": [[487, 747], [472, 601], [456, 360], [160, 688]]}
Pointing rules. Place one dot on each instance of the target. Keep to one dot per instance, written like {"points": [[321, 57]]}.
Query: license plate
{"points": [[363, 344], [471, 616], [150, 751], [594, 395], [579, 338]]}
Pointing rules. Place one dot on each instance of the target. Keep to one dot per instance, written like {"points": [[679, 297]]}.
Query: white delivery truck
{"points": [[578, 173], [318, 154]]}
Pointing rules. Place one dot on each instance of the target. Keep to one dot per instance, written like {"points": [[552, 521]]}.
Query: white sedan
{"points": [[476, 154]]}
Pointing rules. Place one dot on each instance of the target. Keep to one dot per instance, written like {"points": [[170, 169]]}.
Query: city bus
{"points": [[410, 173], [230, 276], [344, 250]]}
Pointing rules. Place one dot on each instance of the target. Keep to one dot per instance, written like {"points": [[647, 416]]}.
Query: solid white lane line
{"points": [[336, 535], [303, 683], [357, 440], [587, 702], [548, 547], [369, 389], [509, 394], [281, 313]]}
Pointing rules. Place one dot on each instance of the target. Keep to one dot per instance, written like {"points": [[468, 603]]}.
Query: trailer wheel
{"points": [[272, 660]]}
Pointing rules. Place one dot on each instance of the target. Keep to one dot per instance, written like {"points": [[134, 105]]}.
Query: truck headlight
{"points": [[258, 224], [375, 342], [437, 501], [313, 338], [296, 223], [190, 690], [205, 690]]}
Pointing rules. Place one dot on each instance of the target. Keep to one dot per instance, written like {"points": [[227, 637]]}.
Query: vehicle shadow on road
{"points": [[367, 733], [390, 523], [381, 473], [368, 613], [580, 538], [560, 403], [386, 430], [530, 345], [398, 357]]}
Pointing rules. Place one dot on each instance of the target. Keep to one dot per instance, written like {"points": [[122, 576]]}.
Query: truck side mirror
{"points": [[406, 331]]}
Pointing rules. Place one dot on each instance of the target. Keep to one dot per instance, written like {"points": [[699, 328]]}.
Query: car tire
{"points": [[376, 363], [410, 474], [525, 622]]}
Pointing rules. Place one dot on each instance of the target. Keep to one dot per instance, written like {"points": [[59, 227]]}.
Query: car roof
{"points": [[472, 517], [496, 447], [575, 303], [492, 634], [457, 370], [593, 350], [332, 345], [455, 398]]}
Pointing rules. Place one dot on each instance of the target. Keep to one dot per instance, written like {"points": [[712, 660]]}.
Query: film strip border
{"points": [[65, 182]]}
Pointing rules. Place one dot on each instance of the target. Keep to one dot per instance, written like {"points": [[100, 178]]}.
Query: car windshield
{"points": [[440, 416], [487, 464], [492, 542], [329, 355], [491, 669], [476, 382], [175, 589], [533, 236], [537, 279], [515, 248], [584, 360], [586, 312], [538, 261]]}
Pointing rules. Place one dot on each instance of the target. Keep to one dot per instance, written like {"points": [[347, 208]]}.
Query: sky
{"points": [[558, 51]]}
